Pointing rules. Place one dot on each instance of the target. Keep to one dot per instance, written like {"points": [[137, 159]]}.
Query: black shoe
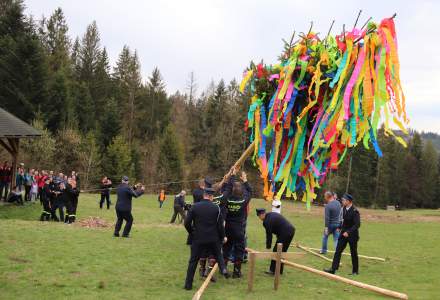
{"points": [[236, 275], [188, 288], [226, 274], [213, 279], [269, 273], [116, 234], [331, 271], [354, 273]]}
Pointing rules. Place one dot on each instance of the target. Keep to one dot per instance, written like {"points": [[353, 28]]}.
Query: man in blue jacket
{"points": [[125, 193]]}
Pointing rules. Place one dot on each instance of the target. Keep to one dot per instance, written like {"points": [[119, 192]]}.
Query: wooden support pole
{"points": [[276, 282], [360, 256], [251, 271], [369, 287], [314, 253], [204, 285], [245, 155]]}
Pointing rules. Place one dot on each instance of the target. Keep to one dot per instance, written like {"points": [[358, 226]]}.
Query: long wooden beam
{"points": [[369, 287], [7, 147], [361, 256], [314, 253], [204, 285], [272, 255]]}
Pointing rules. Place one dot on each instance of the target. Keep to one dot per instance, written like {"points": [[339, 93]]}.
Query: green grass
{"points": [[56, 261]]}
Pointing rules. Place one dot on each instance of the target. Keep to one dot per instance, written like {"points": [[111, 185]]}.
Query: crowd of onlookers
{"points": [[56, 193]]}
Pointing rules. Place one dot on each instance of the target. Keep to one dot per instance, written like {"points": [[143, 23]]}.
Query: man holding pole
{"points": [[349, 235], [275, 223], [205, 223]]}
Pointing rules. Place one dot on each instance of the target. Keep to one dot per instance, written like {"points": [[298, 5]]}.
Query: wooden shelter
{"points": [[12, 129]]}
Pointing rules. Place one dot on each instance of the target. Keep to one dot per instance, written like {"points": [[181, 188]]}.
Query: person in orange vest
{"points": [[161, 198]]}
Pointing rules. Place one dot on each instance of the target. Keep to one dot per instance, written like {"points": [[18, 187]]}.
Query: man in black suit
{"points": [[205, 223], [125, 193], [275, 223], [349, 235]]}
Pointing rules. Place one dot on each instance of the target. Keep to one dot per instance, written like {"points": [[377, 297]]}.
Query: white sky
{"points": [[217, 39]]}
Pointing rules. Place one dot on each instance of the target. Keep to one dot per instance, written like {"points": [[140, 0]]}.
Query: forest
{"points": [[102, 119]]}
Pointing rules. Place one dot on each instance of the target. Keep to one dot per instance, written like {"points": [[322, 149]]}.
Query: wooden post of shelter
{"points": [[12, 129]]}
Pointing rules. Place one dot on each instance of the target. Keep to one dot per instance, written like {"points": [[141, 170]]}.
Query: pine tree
{"points": [[23, 65], [110, 124], [117, 161], [170, 158], [430, 174]]}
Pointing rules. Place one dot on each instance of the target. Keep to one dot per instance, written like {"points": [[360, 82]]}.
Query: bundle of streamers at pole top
{"points": [[322, 98]]}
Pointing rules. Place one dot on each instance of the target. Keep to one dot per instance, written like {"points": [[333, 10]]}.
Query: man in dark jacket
{"points": [[106, 184], [179, 205], [205, 223], [351, 221], [275, 223], [70, 195], [46, 196], [238, 197], [125, 193], [198, 192]]}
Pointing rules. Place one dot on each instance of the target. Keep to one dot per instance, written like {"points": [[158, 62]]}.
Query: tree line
{"points": [[104, 120]]}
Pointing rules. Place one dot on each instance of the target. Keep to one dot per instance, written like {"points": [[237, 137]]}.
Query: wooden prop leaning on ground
{"points": [[372, 288], [281, 257], [314, 253], [360, 256], [277, 256], [205, 283]]}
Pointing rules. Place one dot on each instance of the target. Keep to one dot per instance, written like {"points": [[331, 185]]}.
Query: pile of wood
{"points": [[94, 222]]}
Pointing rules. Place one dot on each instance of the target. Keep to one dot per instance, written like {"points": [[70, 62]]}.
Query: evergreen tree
{"points": [[170, 159], [23, 68], [430, 174], [117, 161], [110, 124]]}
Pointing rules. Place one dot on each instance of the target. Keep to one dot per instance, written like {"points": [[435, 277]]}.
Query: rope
{"points": [[151, 184]]}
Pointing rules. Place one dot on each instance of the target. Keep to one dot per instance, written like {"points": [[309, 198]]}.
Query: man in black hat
{"points": [[275, 223], [125, 193], [349, 235], [204, 222]]}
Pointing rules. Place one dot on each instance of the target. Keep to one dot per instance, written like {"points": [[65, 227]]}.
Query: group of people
{"points": [[216, 224], [342, 220], [56, 193]]}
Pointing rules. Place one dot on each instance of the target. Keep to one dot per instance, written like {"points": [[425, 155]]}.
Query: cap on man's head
{"points": [[125, 178], [208, 182], [347, 197], [260, 211], [209, 191]]}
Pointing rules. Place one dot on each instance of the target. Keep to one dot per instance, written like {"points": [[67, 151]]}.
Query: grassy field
{"points": [[57, 261]]}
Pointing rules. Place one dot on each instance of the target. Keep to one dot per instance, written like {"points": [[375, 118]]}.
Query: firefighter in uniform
{"points": [[275, 223], [204, 222], [45, 199], [239, 196]]}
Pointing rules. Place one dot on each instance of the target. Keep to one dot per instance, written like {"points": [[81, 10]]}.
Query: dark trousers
{"points": [[123, 215], [57, 203], [197, 250], [286, 244], [235, 232], [72, 214], [27, 195], [106, 198], [342, 243], [68, 205], [40, 195], [45, 215], [4, 186], [160, 204], [178, 210]]}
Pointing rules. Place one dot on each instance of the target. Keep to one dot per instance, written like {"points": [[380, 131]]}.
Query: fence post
{"points": [[278, 266]]}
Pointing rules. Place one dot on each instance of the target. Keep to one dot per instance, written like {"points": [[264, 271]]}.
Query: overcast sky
{"points": [[217, 39]]}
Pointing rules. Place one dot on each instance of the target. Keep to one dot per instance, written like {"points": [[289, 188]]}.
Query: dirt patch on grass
{"points": [[19, 259], [93, 222]]}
